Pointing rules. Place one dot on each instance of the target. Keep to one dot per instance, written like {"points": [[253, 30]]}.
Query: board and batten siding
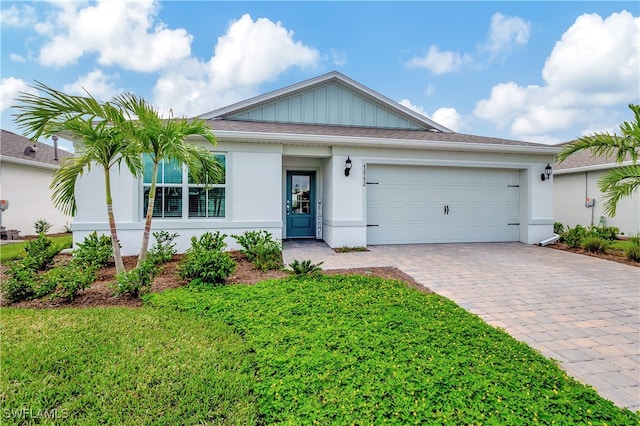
{"points": [[330, 104]]}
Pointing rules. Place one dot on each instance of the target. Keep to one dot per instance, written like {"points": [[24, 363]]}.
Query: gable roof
{"points": [[334, 110], [331, 99], [18, 149]]}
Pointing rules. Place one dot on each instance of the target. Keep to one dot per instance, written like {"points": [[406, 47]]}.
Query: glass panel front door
{"points": [[300, 207]]}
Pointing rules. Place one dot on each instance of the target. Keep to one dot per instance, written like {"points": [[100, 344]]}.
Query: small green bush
{"points": [[164, 248], [138, 280], [40, 252], [305, 267], [94, 250], [633, 252], [206, 262], [66, 281], [42, 226], [573, 236], [558, 228], [607, 232], [594, 244], [20, 282], [261, 249]]}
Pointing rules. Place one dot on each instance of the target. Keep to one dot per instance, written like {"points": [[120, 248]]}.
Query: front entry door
{"points": [[300, 208]]}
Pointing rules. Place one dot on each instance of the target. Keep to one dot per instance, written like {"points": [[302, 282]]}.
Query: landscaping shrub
{"points": [[573, 236], [41, 226], [633, 252], [94, 250], [607, 232], [19, 283], [305, 267], [164, 248], [558, 228], [67, 280], [261, 249], [594, 244], [206, 262], [138, 280], [40, 252]]}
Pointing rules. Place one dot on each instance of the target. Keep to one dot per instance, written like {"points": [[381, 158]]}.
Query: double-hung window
{"points": [[175, 189]]}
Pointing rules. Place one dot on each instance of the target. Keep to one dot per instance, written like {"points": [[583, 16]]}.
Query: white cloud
{"points": [[448, 117], [95, 83], [440, 62], [14, 17], [16, 58], [250, 53], [339, 57], [10, 87], [507, 32], [595, 65], [121, 33]]}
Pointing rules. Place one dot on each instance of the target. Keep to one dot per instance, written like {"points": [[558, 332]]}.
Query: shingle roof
{"points": [[362, 132], [582, 159], [15, 146]]}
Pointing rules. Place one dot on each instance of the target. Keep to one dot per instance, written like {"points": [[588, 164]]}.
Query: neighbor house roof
{"points": [[18, 149], [585, 161]]}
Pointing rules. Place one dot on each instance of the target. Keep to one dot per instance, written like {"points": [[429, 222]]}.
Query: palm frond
{"points": [[63, 184], [618, 183]]}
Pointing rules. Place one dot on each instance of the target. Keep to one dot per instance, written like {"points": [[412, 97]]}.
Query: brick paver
{"points": [[582, 311]]}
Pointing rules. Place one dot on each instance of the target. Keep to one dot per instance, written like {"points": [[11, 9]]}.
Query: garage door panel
{"points": [[408, 205]]}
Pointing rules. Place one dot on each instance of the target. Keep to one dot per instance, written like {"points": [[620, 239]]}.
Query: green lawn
{"points": [[15, 250], [621, 244], [326, 350]]}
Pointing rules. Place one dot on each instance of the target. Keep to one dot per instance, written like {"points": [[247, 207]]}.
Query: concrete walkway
{"points": [[582, 311]]}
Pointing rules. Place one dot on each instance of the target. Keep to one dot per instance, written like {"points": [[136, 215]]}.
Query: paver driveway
{"points": [[579, 310]]}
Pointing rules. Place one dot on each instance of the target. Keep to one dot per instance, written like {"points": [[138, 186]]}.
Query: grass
{"points": [[123, 366], [343, 350], [621, 244], [304, 350], [16, 250]]}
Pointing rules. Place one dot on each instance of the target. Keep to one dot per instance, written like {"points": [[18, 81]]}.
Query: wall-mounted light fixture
{"points": [[547, 173], [347, 166]]}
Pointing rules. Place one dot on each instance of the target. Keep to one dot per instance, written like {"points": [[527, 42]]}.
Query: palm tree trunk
{"points": [[147, 223], [117, 257]]}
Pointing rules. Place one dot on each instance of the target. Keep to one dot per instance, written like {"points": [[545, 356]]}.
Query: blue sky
{"points": [[544, 72]]}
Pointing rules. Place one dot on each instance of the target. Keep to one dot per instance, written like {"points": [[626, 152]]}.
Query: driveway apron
{"points": [[582, 311]]}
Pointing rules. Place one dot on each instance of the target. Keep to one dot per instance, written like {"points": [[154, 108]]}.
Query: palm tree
{"points": [[98, 127], [621, 181], [165, 140]]}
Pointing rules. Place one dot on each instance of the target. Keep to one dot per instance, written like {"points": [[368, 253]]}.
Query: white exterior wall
{"points": [[27, 190], [345, 219], [570, 193], [253, 202]]}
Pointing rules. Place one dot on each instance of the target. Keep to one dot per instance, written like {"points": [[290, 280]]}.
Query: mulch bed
{"points": [[612, 255], [101, 295]]}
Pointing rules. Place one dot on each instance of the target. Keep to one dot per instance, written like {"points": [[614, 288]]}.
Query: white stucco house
{"points": [[331, 159], [579, 201], [26, 171]]}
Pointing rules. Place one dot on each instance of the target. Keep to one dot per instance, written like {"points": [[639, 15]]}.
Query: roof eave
{"points": [[592, 168], [366, 142], [30, 163]]}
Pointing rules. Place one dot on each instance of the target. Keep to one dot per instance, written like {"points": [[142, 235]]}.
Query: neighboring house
{"points": [[331, 159], [26, 171], [575, 181]]}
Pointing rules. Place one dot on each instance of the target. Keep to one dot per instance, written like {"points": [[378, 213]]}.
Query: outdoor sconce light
{"points": [[347, 166], [547, 173]]}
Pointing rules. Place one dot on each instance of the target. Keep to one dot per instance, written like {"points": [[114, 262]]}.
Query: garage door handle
{"points": [[446, 209]]}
